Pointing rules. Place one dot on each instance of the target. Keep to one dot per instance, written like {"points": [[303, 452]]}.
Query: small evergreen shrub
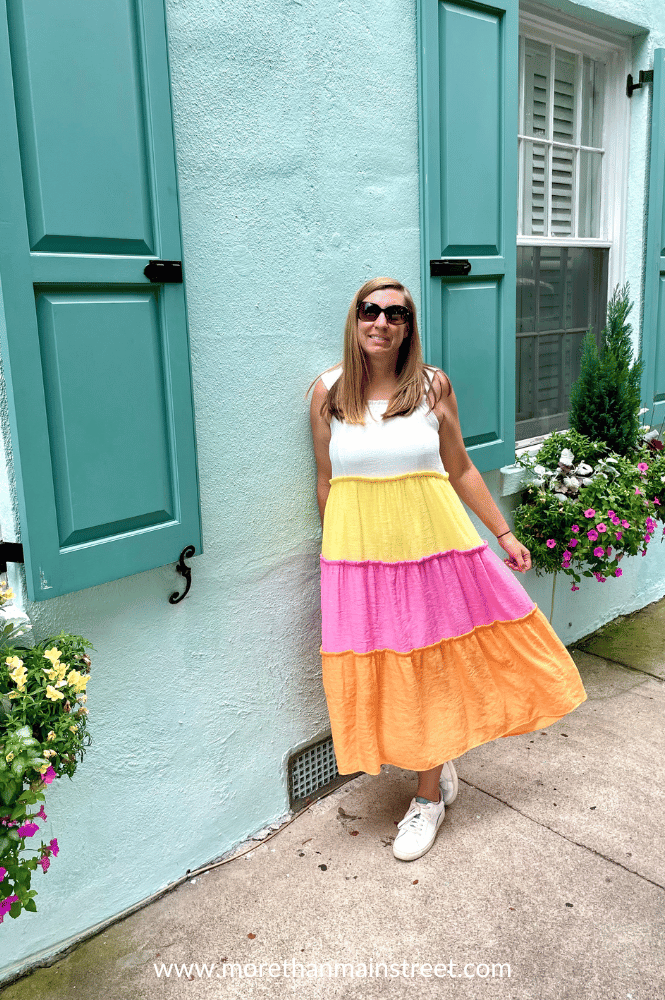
{"points": [[605, 399]]}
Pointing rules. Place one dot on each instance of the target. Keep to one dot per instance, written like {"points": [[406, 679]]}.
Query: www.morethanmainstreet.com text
{"points": [[292, 969]]}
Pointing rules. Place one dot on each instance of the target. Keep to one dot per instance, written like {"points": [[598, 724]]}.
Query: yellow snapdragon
{"points": [[52, 694], [50, 737], [19, 673], [52, 654], [49, 753], [77, 680], [9, 757]]}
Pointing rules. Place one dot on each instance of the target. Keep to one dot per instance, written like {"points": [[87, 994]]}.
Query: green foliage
{"points": [[605, 400], [43, 734], [593, 511]]}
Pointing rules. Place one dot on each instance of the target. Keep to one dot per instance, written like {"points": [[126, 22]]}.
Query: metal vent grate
{"points": [[312, 772]]}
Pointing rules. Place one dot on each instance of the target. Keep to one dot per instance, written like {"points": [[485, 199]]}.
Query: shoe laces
{"points": [[416, 817]]}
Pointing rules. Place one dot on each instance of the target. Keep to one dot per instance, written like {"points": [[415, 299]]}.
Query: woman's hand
{"points": [[519, 557]]}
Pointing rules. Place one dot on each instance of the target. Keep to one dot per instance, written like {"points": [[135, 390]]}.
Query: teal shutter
{"points": [[653, 328], [468, 154], [96, 357]]}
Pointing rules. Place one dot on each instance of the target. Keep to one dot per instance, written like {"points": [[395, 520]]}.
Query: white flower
{"points": [[571, 482], [583, 469], [644, 409], [540, 470], [566, 457]]}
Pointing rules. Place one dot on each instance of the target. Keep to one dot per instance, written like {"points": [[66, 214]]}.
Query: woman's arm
{"points": [[469, 484], [321, 439]]}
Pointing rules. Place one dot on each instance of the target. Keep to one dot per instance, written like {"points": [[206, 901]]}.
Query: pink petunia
{"points": [[572, 543], [625, 524], [54, 847], [574, 587], [575, 528], [608, 550], [28, 830], [3, 872], [589, 512], [618, 572], [45, 863], [619, 536], [601, 527], [48, 776], [551, 543], [644, 552], [592, 535], [656, 501], [610, 513], [642, 466], [638, 491], [41, 814], [6, 904], [599, 552]]}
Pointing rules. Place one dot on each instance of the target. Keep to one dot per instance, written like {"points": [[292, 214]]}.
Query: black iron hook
{"points": [[184, 570]]}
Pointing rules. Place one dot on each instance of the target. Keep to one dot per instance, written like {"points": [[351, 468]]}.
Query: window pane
{"points": [[590, 174], [593, 96], [561, 292], [534, 187], [565, 86], [563, 167], [535, 116]]}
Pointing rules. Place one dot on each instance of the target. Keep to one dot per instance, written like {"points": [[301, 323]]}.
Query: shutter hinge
{"points": [[646, 76], [10, 552]]}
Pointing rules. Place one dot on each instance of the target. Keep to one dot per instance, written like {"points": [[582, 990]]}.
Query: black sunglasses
{"points": [[369, 312]]}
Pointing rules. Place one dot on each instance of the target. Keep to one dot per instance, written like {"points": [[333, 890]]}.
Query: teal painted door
{"points": [[653, 328], [468, 155], [96, 357]]}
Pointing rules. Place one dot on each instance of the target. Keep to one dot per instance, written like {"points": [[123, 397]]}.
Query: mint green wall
{"points": [[296, 132]]}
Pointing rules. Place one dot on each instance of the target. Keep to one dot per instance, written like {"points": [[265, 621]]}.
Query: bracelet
{"points": [[509, 532]]}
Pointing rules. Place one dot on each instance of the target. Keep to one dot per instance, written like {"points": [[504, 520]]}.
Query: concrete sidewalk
{"points": [[551, 862]]}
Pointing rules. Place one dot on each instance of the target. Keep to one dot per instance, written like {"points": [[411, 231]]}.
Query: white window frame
{"points": [[542, 24], [568, 33]]}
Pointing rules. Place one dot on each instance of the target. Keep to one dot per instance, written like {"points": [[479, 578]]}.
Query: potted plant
{"points": [[43, 734]]}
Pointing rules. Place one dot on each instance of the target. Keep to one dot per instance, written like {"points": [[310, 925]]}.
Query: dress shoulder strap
{"points": [[330, 377]]}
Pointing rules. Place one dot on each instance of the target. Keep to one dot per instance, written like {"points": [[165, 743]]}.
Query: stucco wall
{"points": [[296, 132]]}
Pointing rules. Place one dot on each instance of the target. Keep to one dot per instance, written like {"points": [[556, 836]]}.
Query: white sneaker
{"points": [[417, 831], [448, 783]]}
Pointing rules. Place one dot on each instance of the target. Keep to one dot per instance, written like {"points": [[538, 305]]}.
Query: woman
{"points": [[430, 645]]}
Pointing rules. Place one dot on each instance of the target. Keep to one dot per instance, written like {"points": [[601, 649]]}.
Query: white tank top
{"points": [[379, 447]]}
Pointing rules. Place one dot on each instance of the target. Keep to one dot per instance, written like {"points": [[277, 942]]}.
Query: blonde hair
{"points": [[347, 397]]}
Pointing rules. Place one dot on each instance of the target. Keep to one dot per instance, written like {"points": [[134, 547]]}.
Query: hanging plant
{"points": [[43, 735]]}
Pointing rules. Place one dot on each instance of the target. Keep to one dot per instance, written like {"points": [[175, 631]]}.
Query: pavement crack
{"points": [[577, 843], [619, 663]]}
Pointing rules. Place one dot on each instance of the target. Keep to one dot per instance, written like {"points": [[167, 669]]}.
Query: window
{"points": [[572, 147]]}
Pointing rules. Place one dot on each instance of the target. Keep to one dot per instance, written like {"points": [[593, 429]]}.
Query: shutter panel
{"points": [[468, 97], [96, 357], [653, 330]]}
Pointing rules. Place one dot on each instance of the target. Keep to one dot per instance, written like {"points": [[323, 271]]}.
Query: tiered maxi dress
{"points": [[430, 645]]}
